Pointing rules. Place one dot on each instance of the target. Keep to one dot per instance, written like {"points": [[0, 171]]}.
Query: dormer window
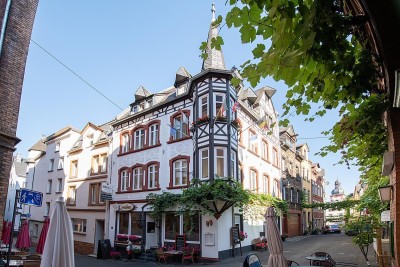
{"points": [[90, 139], [149, 103], [135, 109]]}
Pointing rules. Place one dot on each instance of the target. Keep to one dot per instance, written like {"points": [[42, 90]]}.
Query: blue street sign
{"points": [[29, 197]]}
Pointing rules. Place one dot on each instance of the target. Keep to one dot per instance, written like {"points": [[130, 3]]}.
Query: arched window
{"points": [[139, 139], [179, 126], [152, 176], [253, 142], [264, 150], [154, 135], [179, 171], [265, 184], [137, 178], [125, 144], [124, 180], [253, 181]]}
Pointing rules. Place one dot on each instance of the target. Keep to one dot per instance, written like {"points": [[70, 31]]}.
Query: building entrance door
{"points": [[98, 233]]}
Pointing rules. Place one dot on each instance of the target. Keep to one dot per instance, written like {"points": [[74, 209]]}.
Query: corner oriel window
{"points": [[204, 163]]}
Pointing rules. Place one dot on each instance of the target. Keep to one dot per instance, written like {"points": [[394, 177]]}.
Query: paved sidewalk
{"points": [[345, 254]]}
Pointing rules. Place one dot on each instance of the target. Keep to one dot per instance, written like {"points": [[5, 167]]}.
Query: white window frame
{"points": [[265, 184], [60, 163], [218, 104], [152, 176], [137, 178], [153, 134], [59, 185], [253, 144], [49, 186], [264, 150], [180, 170], [124, 180], [203, 106], [81, 223], [233, 164], [183, 129], [51, 165], [74, 168], [205, 163], [72, 195], [253, 180], [57, 146], [125, 143], [140, 139], [224, 161]]}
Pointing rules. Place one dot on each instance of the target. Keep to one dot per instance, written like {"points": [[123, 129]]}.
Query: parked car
{"points": [[333, 228], [350, 232]]}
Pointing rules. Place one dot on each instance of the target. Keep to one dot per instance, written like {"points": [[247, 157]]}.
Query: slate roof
{"points": [[215, 58]]}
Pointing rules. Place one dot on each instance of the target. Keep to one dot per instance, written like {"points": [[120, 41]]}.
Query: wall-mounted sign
{"points": [[126, 207], [385, 216], [106, 188]]}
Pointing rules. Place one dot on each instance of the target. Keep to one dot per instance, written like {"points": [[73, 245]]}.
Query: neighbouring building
{"points": [[333, 215], [292, 181], [317, 196], [16, 22], [305, 170], [16, 182]]}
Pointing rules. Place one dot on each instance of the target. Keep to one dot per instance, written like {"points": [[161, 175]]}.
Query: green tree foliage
{"points": [[309, 44]]}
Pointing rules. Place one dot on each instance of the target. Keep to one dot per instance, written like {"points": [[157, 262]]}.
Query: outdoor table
{"points": [[5, 250], [316, 258], [175, 254]]}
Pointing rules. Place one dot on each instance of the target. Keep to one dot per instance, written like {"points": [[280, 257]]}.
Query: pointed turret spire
{"points": [[215, 58]]}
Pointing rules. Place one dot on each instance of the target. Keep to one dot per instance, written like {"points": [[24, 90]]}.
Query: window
{"points": [[180, 172], [180, 126], [60, 163], [124, 180], [139, 139], [219, 102], [89, 139], [78, 225], [204, 163], [95, 194], [283, 164], [265, 184], [49, 185], [74, 169], [137, 178], [154, 135], [128, 223], [275, 192], [47, 209], [125, 143], [59, 185], [57, 147], [220, 158], [35, 229], [172, 225], [253, 146], [264, 150], [253, 181], [233, 164], [292, 195], [204, 106], [275, 156], [99, 163], [71, 195], [51, 165], [152, 172], [182, 224]]}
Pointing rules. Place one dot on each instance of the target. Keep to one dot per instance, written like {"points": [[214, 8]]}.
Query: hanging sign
{"points": [[126, 207], [385, 216]]}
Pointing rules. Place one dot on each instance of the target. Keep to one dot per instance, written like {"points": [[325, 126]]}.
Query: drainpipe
{"points": [[4, 25], [143, 222]]}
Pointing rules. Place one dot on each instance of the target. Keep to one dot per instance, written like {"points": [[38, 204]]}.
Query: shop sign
{"points": [[126, 207], [385, 216]]}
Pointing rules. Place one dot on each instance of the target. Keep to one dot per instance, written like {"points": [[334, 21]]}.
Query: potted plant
{"points": [[136, 252], [284, 236], [121, 237], [242, 235], [134, 239], [237, 123]]}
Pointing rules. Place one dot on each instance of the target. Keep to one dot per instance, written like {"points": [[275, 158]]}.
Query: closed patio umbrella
{"points": [[3, 230], [276, 258], [43, 235], [7, 233], [59, 247], [23, 239]]}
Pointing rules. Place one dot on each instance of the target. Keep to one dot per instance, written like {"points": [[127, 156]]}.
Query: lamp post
{"points": [[385, 193]]}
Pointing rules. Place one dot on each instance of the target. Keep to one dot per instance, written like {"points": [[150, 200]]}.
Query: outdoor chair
{"points": [[161, 255], [292, 263], [188, 255]]}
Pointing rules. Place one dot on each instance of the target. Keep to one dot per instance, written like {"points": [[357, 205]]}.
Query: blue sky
{"points": [[116, 46]]}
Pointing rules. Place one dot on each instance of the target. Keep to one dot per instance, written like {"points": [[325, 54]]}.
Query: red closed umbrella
{"points": [[23, 240], [3, 230], [43, 235], [7, 233]]}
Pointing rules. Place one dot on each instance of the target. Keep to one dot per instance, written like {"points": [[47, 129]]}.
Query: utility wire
{"points": [[77, 75]]}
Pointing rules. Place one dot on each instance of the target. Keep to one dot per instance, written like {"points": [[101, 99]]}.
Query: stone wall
{"points": [[12, 68], [83, 248]]}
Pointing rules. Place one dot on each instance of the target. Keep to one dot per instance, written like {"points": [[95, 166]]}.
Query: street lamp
{"points": [[385, 193]]}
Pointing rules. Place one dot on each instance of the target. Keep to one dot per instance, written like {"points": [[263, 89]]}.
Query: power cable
{"points": [[77, 75]]}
